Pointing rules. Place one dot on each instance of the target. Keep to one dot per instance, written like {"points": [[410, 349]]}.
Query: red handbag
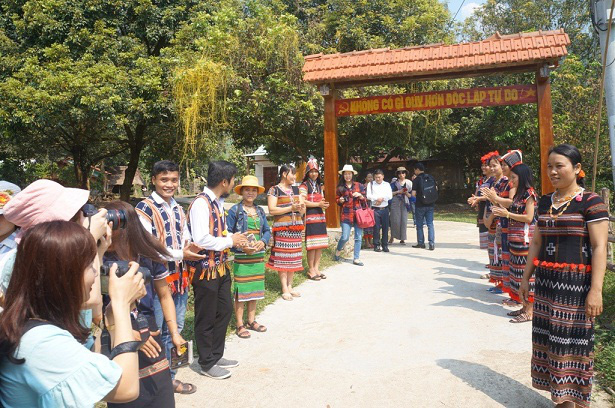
{"points": [[365, 217]]}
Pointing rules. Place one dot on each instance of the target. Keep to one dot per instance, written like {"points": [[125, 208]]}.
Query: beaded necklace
{"points": [[567, 200]]}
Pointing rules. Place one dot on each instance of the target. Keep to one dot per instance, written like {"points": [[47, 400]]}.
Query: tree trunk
{"points": [[136, 142], [82, 173]]}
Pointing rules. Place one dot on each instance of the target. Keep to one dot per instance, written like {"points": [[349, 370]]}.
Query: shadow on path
{"points": [[500, 388]]}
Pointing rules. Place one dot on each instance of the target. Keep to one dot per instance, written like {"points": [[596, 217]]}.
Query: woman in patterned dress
{"points": [[316, 238], [495, 195], [287, 207], [521, 220], [399, 205], [569, 261], [249, 266]]}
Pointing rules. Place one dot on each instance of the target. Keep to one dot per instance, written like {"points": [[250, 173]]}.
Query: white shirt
{"points": [[176, 253], [376, 191], [199, 223]]}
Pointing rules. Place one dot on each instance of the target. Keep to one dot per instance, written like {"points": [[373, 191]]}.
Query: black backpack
{"points": [[429, 193]]}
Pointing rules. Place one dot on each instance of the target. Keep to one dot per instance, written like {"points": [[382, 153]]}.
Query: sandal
{"points": [[314, 278], [510, 302], [322, 276], [287, 296], [485, 276], [183, 388], [256, 327], [522, 318], [295, 294], [242, 333], [514, 313]]}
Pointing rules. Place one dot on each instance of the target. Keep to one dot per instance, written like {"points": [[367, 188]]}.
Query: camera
{"points": [[117, 218], [122, 268]]}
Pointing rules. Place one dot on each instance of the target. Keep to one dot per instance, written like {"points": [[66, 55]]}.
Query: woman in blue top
{"points": [[134, 243], [43, 362]]}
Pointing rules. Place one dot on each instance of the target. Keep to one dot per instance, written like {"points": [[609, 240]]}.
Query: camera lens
{"points": [[117, 218]]}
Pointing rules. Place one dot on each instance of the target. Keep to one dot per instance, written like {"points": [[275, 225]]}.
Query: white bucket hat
{"points": [[347, 167]]}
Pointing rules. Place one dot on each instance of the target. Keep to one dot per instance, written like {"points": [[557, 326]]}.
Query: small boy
{"points": [[161, 216]]}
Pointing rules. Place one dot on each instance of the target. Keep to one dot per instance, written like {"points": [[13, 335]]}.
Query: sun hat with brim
{"points": [[347, 167], [7, 192], [249, 181], [42, 201], [401, 169]]}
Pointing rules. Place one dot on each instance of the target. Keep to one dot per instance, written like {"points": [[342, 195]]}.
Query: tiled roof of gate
{"points": [[497, 51]]}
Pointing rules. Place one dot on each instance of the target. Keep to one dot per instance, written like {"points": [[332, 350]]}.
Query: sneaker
{"points": [[422, 246], [357, 262], [217, 373], [385, 249], [377, 249], [432, 247], [224, 363]]}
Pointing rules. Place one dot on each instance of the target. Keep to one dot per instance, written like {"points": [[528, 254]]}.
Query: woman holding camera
{"points": [[42, 359], [133, 243], [246, 217]]}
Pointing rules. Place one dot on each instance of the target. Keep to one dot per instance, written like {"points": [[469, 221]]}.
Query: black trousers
{"points": [[213, 307], [381, 216]]}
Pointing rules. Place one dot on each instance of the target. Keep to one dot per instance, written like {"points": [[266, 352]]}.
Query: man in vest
{"points": [[211, 276], [161, 216], [424, 206]]}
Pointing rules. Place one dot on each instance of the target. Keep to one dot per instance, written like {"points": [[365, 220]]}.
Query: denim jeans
{"points": [[358, 237], [424, 215], [180, 300], [382, 223]]}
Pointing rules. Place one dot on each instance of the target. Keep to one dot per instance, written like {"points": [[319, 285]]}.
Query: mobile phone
{"points": [[251, 238], [182, 357]]}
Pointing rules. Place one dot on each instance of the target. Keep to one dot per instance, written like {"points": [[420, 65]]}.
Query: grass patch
{"points": [[605, 335], [455, 212], [273, 290]]}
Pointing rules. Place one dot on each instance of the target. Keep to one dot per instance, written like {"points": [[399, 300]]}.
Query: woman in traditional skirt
{"points": [[287, 207], [316, 238], [400, 204], [368, 233], [500, 186], [520, 231], [249, 266], [479, 201], [569, 261]]}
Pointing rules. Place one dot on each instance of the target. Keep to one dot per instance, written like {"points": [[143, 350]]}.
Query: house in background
{"points": [[115, 179], [265, 171]]}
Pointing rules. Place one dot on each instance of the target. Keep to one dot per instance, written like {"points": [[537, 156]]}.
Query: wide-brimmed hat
{"points": [[249, 181], [7, 192], [348, 167], [312, 164], [401, 169], [42, 201], [513, 158]]}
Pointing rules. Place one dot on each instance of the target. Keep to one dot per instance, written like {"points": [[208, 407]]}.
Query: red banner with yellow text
{"points": [[460, 98]]}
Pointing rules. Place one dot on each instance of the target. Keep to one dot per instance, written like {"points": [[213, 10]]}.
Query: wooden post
{"points": [[331, 159], [545, 125]]}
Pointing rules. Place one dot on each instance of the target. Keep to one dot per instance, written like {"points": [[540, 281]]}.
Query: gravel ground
{"points": [[411, 328]]}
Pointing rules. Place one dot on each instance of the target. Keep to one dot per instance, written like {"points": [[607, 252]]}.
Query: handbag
{"points": [[365, 217]]}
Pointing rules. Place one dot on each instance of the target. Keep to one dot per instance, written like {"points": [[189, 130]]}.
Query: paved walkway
{"points": [[412, 328]]}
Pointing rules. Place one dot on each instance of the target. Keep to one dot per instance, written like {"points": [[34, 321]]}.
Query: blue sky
{"points": [[466, 10]]}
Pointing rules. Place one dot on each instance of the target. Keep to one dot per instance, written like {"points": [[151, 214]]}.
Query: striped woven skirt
{"points": [[518, 260], [249, 276], [495, 256], [505, 257], [315, 230], [562, 335], [287, 251]]}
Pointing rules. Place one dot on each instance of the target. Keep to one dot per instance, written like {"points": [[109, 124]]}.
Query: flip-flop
{"points": [[242, 334], [514, 313], [522, 318], [314, 278], [323, 276], [183, 388], [295, 294]]}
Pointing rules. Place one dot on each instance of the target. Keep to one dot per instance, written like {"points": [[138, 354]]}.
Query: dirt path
{"points": [[411, 328]]}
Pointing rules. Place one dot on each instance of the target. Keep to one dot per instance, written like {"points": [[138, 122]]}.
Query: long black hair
{"points": [[571, 153], [286, 168], [526, 180]]}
